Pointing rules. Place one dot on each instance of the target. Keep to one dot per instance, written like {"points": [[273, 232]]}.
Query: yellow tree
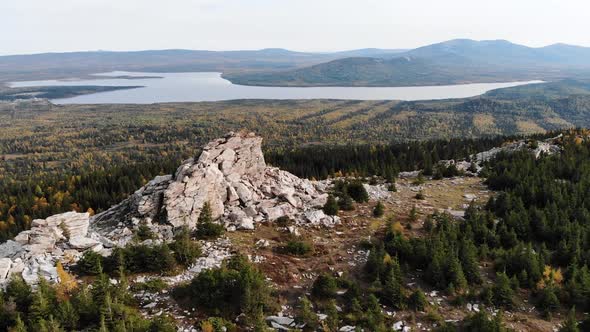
{"points": [[67, 283], [551, 277]]}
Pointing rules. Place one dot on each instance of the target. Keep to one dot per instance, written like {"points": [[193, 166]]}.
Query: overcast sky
{"points": [[32, 26]]}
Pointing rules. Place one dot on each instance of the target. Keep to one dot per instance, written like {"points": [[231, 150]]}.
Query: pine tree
{"points": [[413, 214], [331, 206], [52, 325], [417, 300], [332, 320], [392, 291], [435, 271], [427, 164], [306, 314], [571, 323], [469, 261], [68, 316], [106, 310], [206, 228], [357, 191], [374, 314], [324, 287], [19, 325], [103, 325], [502, 292], [67, 283], [379, 210], [392, 187], [39, 308], [20, 291], [548, 301], [185, 250], [206, 215], [346, 202], [356, 309], [374, 264], [258, 321]]}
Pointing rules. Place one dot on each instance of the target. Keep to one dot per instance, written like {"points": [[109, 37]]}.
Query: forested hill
{"points": [[76, 64], [452, 62]]}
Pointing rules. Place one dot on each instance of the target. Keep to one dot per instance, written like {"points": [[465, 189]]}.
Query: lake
{"points": [[209, 86]]}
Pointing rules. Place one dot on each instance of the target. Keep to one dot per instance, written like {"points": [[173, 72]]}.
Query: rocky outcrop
{"points": [[474, 165], [35, 252], [232, 176], [548, 146]]}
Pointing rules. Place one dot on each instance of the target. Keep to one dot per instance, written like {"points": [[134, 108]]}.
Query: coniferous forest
{"points": [[242, 166], [528, 244], [534, 233]]}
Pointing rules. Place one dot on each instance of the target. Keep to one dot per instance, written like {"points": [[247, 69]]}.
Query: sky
{"points": [[35, 26]]}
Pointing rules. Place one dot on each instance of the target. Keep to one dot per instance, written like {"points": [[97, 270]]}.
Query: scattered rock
{"points": [[377, 192], [469, 197], [262, 243], [294, 230], [246, 224]]}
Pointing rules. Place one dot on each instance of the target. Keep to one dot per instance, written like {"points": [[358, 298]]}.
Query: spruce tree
{"points": [[306, 314], [103, 326], [332, 320], [68, 315], [185, 250], [379, 210], [392, 292], [502, 292], [469, 261], [39, 309], [548, 301], [417, 300], [19, 325], [571, 323], [331, 206], [346, 203], [374, 314], [206, 228]]}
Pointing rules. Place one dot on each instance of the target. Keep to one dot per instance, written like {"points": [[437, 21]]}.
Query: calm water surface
{"points": [[209, 86]]}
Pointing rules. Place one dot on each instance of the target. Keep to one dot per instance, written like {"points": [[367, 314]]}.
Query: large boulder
{"points": [[73, 223]]}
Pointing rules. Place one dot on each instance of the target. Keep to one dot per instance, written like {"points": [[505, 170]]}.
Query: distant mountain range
{"points": [[451, 62], [80, 64]]}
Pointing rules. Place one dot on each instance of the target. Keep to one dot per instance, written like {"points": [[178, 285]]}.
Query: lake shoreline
{"points": [[211, 86]]}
